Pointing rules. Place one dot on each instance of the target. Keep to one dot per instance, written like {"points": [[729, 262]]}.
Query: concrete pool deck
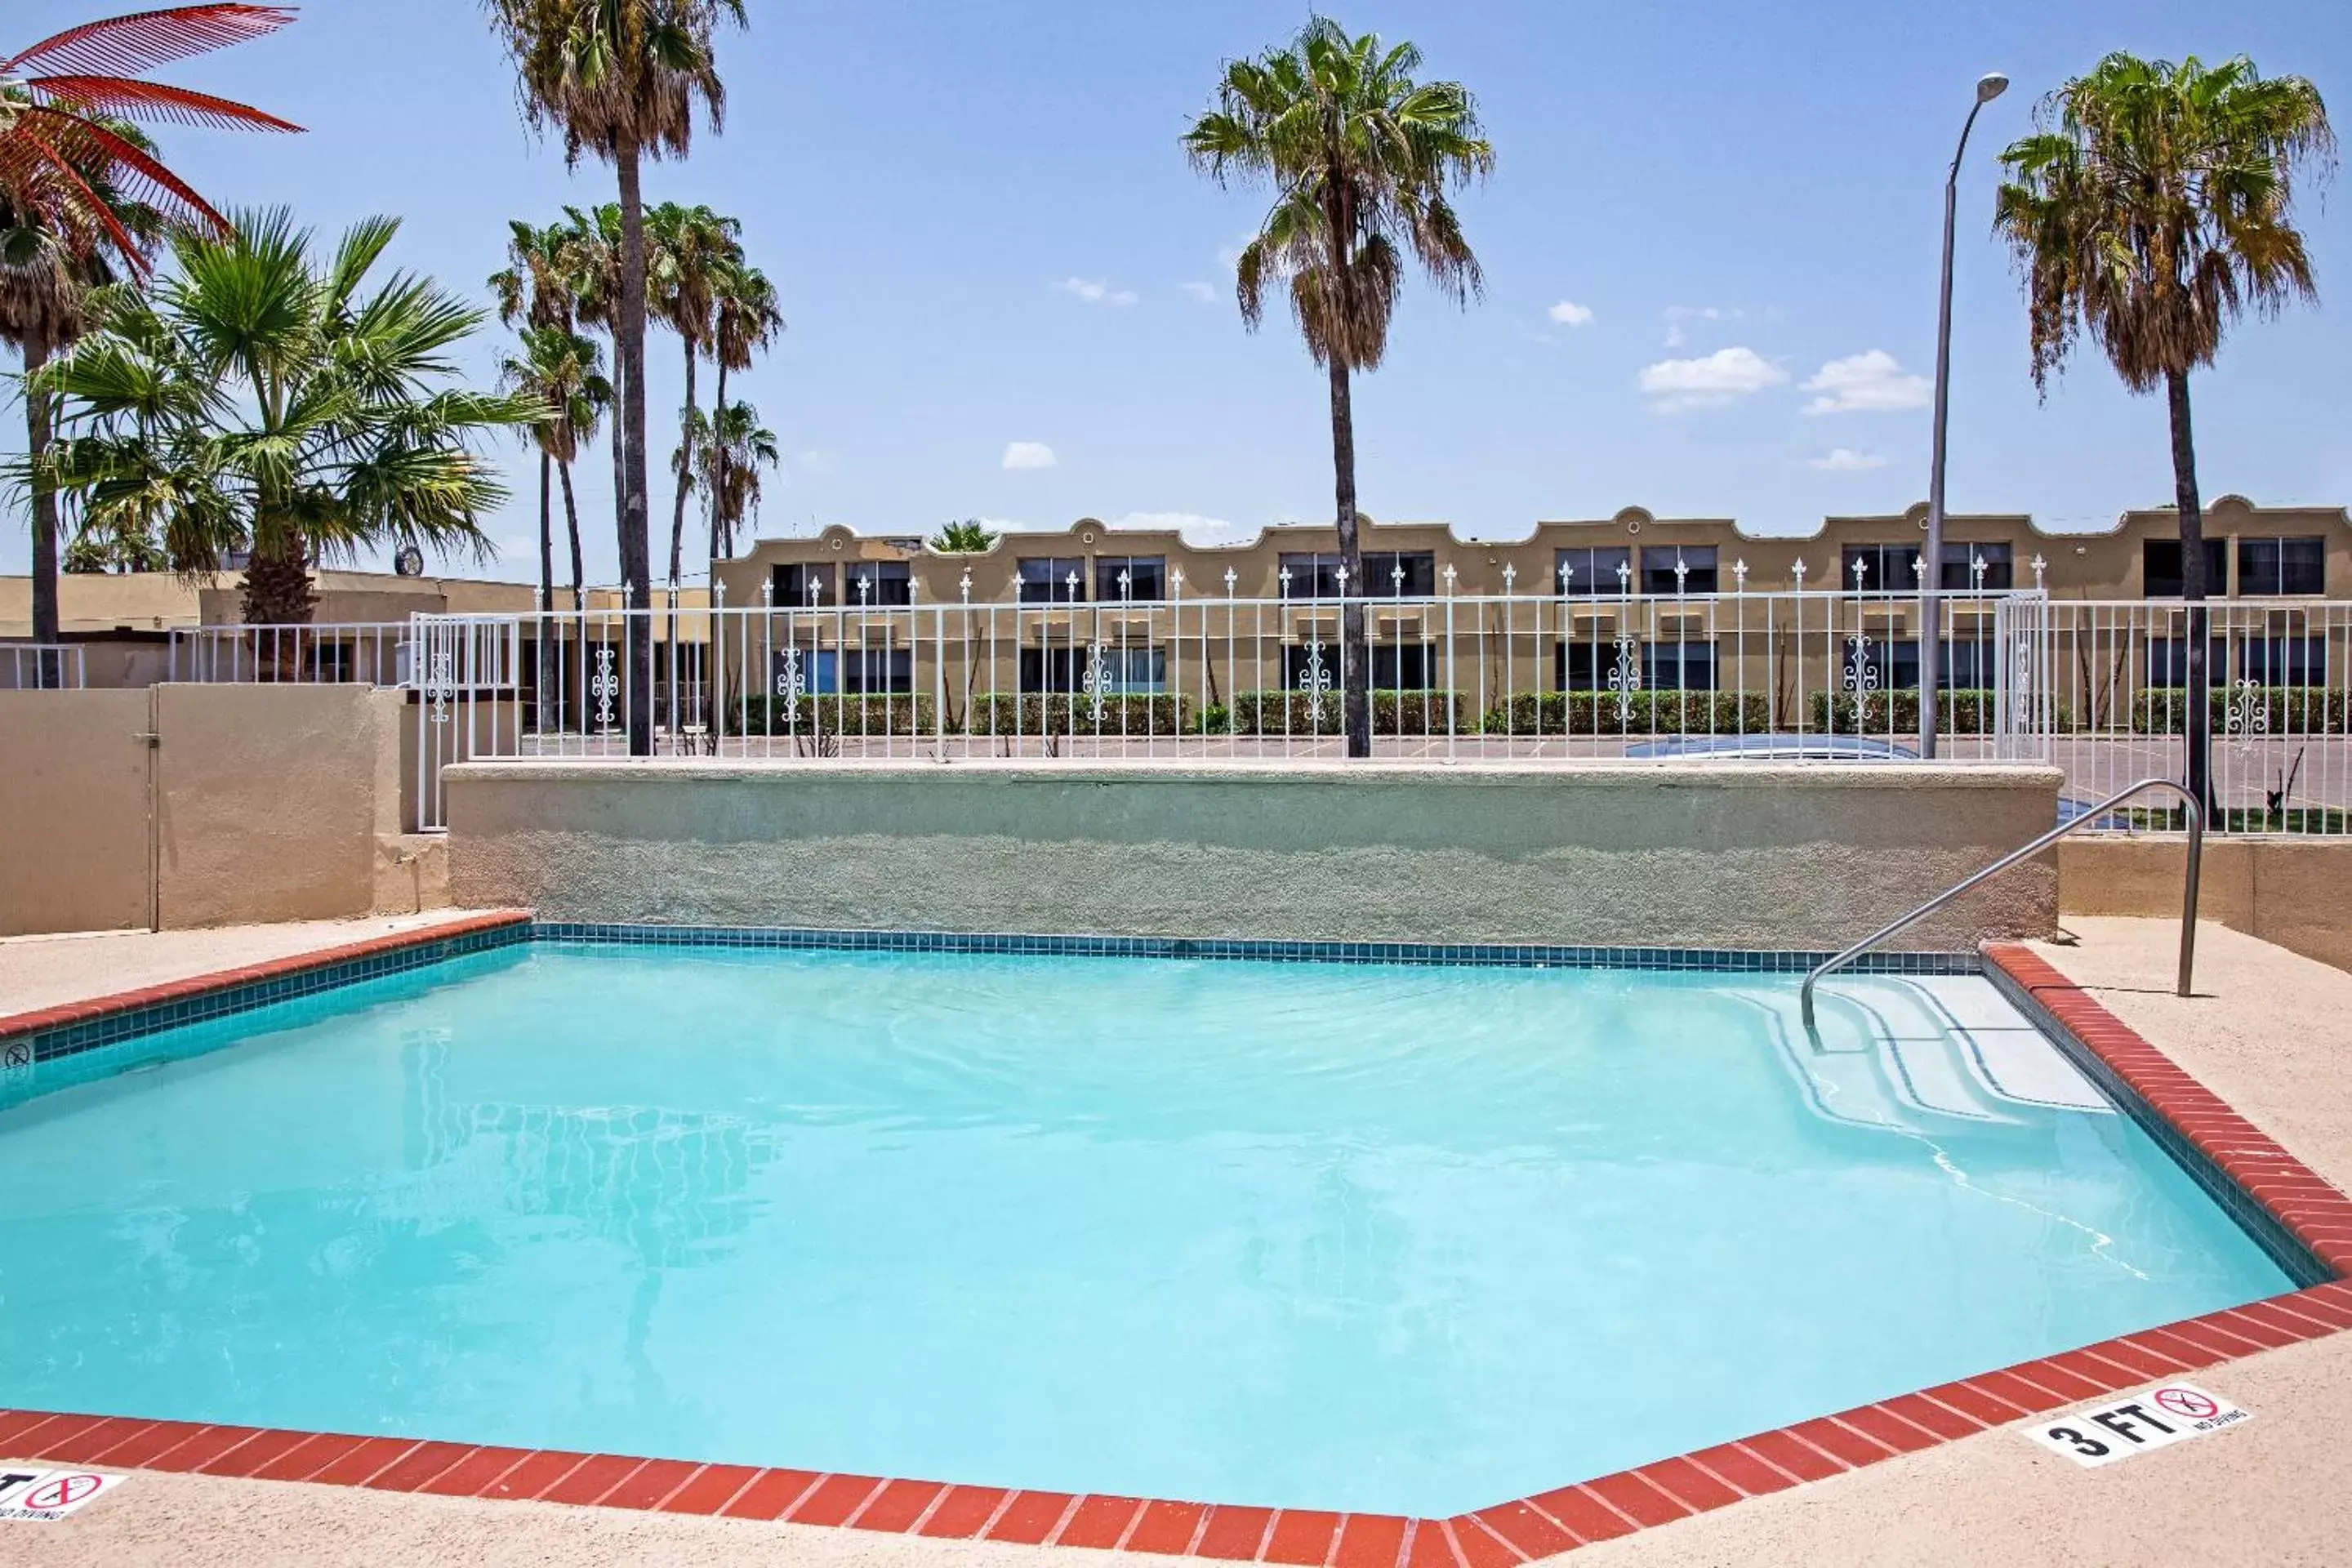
{"points": [[38, 972], [2270, 1033]]}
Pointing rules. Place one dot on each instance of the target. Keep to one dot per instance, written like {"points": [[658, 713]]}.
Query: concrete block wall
{"points": [[1696, 856]]}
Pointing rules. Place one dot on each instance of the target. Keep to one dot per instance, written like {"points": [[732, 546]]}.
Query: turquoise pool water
{"points": [[1351, 1236]]}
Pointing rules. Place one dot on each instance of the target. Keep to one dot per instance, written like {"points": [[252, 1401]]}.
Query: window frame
{"points": [[2256, 580], [2217, 553], [1053, 586], [1590, 581]]}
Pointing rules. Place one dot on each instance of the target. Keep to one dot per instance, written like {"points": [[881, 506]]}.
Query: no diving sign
{"points": [[48, 1495], [2167, 1414]]}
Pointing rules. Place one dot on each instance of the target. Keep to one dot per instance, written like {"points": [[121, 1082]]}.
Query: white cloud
{"points": [[1569, 313], [815, 460], [1202, 292], [1028, 455], [1846, 460], [1097, 291], [1679, 316], [1868, 383], [1196, 529], [1709, 380]]}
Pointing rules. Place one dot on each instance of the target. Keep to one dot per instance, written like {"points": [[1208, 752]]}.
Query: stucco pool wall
{"points": [[1699, 854]]}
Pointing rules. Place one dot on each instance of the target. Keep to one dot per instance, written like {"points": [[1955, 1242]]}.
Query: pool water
{"points": [[1403, 1239]]}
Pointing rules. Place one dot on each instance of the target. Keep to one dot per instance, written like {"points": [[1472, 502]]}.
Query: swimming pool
{"points": [[1403, 1238]]}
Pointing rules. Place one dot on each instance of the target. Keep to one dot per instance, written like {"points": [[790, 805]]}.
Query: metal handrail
{"points": [[2188, 903]]}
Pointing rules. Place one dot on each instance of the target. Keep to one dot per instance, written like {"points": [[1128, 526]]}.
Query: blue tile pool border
{"points": [[55, 1032], [1724, 961], [197, 1000]]}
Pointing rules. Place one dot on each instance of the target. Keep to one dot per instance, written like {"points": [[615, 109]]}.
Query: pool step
{"points": [[1892, 1050]]}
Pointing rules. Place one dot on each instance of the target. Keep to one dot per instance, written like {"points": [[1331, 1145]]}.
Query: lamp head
{"points": [[1991, 85]]}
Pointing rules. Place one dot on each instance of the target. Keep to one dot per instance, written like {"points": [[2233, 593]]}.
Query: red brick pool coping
{"points": [[2318, 1216], [65, 1014]]}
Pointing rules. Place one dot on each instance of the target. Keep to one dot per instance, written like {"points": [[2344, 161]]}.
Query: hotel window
{"points": [[1665, 666], [795, 586], [2168, 661], [1134, 671], [827, 672], [878, 670], [1052, 579], [1886, 569], [1895, 663], [1959, 568], [1311, 576], [869, 583], [1392, 666], [1316, 575], [1400, 574], [2284, 661], [1590, 573], [2160, 568], [1147, 578], [2275, 566], [1658, 563], [1678, 666]]}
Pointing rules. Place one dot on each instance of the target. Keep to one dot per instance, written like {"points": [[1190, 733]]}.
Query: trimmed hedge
{"points": [[2286, 710], [1132, 714], [1964, 712], [1394, 712], [1645, 712], [833, 714]]}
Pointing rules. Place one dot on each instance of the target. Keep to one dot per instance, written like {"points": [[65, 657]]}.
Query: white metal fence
{"points": [[1812, 675], [2097, 688], [2278, 672], [365, 653], [40, 667]]}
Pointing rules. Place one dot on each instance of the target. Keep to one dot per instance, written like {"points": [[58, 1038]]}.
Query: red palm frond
{"points": [[126, 45], [152, 101], [30, 165], [70, 142]]}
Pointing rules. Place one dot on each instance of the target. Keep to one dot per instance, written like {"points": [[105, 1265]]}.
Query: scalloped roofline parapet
{"points": [[1088, 533]]}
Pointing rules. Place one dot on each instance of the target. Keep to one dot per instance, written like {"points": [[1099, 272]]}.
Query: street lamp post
{"points": [[1931, 573]]}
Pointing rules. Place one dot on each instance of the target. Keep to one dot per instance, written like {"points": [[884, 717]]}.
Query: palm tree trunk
{"points": [[629, 435], [1356, 707], [722, 527], [566, 693], [546, 588], [2193, 589], [44, 502], [277, 583], [685, 471], [571, 523]]}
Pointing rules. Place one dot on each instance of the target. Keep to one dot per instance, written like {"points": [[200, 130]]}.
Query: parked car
{"points": [[1777, 748]]}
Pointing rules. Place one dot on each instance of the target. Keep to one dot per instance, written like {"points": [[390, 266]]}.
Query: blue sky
{"points": [[991, 249]]}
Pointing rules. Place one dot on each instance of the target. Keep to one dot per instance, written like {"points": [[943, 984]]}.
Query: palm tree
{"points": [[538, 287], [78, 185], [1360, 157], [264, 399], [970, 537], [531, 289], [562, 374], [697, 245], [746, 319], [2151, 207], [588, 255], [548, 272], [730, 448], [621, 79]]}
